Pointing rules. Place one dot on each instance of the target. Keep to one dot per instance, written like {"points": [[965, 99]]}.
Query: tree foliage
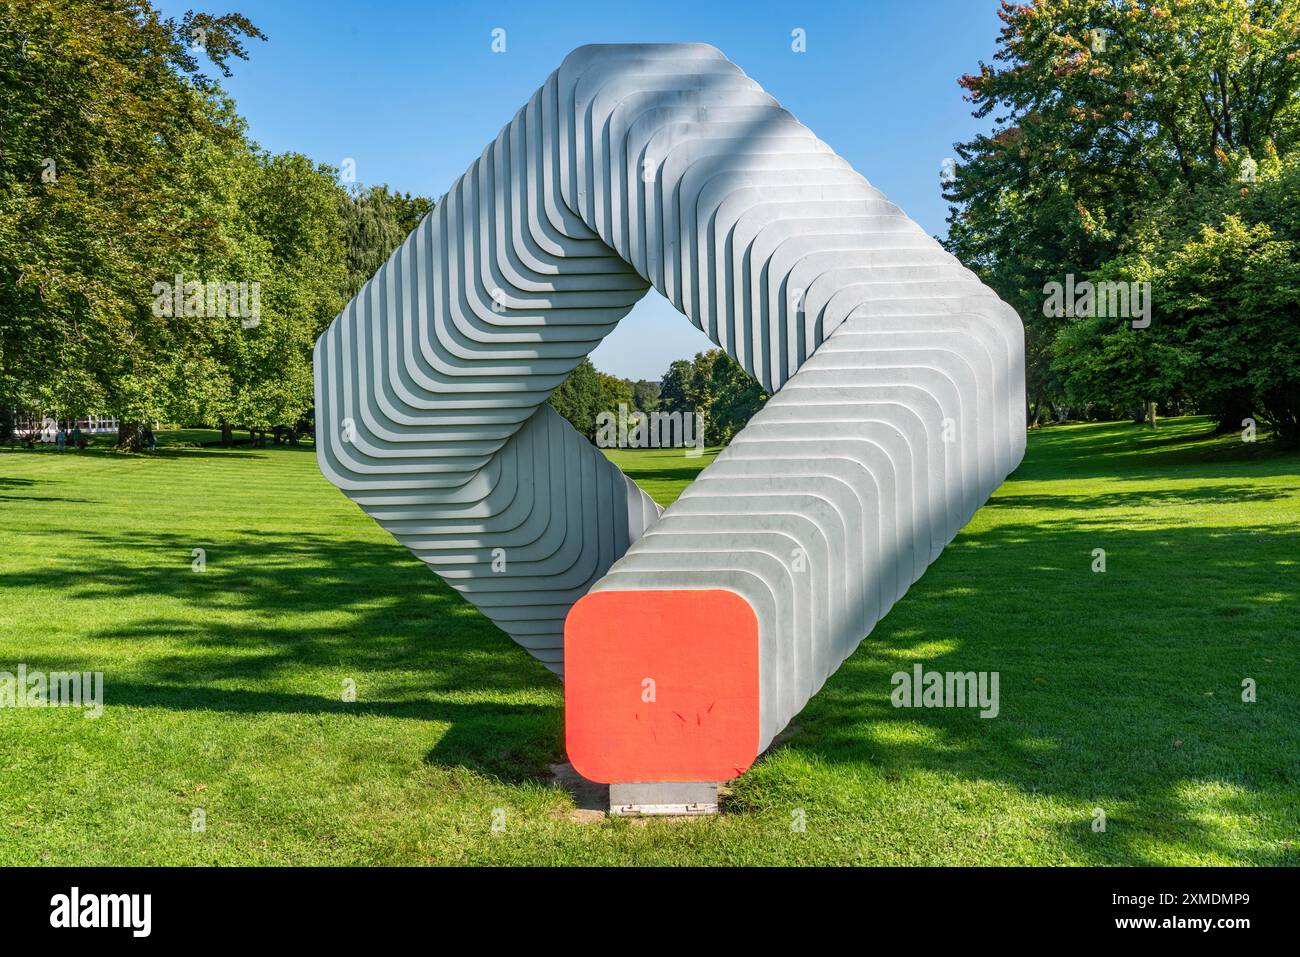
{"points": [[712, 385], [125, 170], [717, 387], [1121, 129]]}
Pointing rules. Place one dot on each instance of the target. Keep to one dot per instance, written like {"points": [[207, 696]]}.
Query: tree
{"points": [[375, 222], [614, 392], [715, 386], [579, 399], [1221, 266], [293, 205], [736, 397], [674, 387], [699, 390], [1229, 299], [687, 386], [1101, 109], [645, 395], [105, 116], [132, 200]]}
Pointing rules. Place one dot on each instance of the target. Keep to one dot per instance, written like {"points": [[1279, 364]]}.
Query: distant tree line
{"points": [[712, 384]]}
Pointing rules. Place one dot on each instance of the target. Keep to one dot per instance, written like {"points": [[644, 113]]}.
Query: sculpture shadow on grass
{"points": [[1183, 450], [315, 605]]}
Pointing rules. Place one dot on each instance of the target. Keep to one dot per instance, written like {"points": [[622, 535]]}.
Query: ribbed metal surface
{"points": [[898, 378]]}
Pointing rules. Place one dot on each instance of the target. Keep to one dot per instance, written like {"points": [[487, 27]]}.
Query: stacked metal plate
{"points": [[897, 379]]}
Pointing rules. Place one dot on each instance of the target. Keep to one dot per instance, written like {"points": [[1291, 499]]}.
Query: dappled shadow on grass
{"points": [[106, 450], [20, 486], [507, 742], [1184, 448], [273, 607], [1119, 690], [1221, 494], [164, 452], [683, 474]]}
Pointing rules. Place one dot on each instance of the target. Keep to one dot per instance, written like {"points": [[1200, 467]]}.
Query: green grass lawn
{"points": [[1119, 691]]}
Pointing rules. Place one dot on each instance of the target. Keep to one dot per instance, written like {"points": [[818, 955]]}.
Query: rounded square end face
{"points": [[661, 686]]}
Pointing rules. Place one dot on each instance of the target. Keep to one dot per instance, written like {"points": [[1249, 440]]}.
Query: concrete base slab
{"points": [[590, 800], [655, 798]]}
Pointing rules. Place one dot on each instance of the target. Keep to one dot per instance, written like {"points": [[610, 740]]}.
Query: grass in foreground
{"points": [[1119, 691]]}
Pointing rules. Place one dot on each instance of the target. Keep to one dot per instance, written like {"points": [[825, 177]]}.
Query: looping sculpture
{"points": [[687, 637]]}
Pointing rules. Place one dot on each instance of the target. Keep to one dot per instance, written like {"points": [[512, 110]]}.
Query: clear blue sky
{"points": [[412, 92]]}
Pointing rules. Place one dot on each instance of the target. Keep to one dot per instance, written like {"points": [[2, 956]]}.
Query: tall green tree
{"points": [[126, 175], [293, 205], [736, 396], [715, 386], [675, 387], [376, 220], [579, 399], [105, 114], [1099, 109], [645, 394]]}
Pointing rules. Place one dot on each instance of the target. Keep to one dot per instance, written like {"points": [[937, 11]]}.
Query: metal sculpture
{"points": [[689, 638]]}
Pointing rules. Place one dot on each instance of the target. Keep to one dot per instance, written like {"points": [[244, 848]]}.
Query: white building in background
{"points": [[47, 426]]}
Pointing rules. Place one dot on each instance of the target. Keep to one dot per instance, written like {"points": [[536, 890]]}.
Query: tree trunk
{"points": [[1151, 414], [1286, 429], [227, 433], [130, 436]]}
